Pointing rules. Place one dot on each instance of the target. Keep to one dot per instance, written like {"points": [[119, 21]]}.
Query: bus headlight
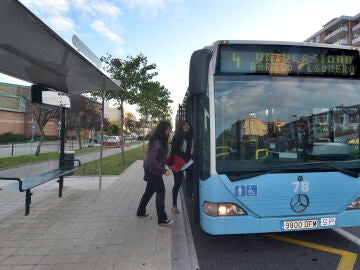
{"points": [[222, 209], [354, 204]]}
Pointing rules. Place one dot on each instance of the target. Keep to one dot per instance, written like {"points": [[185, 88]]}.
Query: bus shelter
{"points": [[32, 52]]}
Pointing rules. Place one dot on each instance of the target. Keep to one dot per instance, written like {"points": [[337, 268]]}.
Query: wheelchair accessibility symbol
{"points": [[246, 191]]}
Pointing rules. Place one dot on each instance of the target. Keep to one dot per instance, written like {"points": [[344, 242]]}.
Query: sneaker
{"points": [[144, 216], [175, 210], [167, 222]]}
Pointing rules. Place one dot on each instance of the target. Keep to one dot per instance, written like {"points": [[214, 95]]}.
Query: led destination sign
{"points": [[287, 60]]}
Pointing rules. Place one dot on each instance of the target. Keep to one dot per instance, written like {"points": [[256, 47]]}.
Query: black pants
{"points": [[178, 177], [155, 183]]}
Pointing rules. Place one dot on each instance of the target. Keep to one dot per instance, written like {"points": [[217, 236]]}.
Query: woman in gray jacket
{"points": [[154, 167]]}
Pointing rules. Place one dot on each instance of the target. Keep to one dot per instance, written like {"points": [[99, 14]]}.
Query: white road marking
{"points": [[348, 235]]}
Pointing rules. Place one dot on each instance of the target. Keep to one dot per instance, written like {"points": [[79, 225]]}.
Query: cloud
{"points": [[89, 17], [106, 9], [151, 7], [98, 8], [101, 28], [47, 7], [105, 18], [53, 12], [62, 24]]}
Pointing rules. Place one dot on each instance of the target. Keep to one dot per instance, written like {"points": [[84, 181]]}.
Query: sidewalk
{"points": [[90, 228]]}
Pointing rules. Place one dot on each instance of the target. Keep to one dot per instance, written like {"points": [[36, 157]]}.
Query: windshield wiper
{"points": [[284, 169], [344, 171]]}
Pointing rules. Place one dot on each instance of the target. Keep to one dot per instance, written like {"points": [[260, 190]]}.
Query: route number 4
{"points": [[302, 186]]}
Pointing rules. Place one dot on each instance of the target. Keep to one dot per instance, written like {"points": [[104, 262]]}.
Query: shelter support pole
{"points": [[102, 133], [62, 137]]}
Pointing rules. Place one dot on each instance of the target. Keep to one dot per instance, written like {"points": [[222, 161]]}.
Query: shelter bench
{"points": [[26, 184]]}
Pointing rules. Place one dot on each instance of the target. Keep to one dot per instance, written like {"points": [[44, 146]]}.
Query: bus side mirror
{"points": [[198, 72], [47, 96]]}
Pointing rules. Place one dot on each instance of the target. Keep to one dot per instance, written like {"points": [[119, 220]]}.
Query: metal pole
{"points": [[62, 138], [102, 133], [32, 129]]}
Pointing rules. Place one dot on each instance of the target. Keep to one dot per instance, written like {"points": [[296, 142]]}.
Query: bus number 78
{"points": [[303, 186]]}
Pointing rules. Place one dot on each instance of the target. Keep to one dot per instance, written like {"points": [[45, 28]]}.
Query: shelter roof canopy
{"points": [[31, 51]]}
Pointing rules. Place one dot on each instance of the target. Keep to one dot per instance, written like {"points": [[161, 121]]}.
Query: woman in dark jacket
{"points": [[181, 145], [154, 166]]}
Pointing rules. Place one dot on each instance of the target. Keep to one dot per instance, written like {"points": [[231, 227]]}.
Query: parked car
{"points": [[112, 141], [97, 139], [93, 140]]}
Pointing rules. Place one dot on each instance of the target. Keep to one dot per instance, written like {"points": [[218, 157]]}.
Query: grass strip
{"points": [[8, 162], [112, 165]]}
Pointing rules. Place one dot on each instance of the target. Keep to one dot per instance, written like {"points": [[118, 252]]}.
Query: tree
{"points": [[130, 121], [132, 72], [113, 128], [153, 102], [82, 115], [43, 114]]}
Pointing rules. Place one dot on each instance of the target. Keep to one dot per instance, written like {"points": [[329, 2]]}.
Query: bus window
{"points": [[284, 117]]}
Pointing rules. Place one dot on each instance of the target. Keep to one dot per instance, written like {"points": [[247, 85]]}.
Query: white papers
{"points": [[187, 165]]}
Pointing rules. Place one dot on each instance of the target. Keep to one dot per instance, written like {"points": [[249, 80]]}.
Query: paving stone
{"points": [[89, 228]]}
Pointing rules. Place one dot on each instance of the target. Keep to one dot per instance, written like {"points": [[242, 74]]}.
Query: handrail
{"points": [[261, 150], [224, 153]]}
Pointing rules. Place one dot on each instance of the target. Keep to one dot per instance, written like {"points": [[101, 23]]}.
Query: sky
{"points": [[167, 32]]}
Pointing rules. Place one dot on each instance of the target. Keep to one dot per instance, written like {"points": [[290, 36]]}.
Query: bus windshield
{"points": [[263, 122]]}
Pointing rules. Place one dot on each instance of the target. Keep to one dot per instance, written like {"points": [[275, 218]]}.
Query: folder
{"points": [[178, 163]]}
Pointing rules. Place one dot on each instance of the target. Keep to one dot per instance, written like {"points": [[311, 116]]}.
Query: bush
{"points": [[10, 137], [51, 138]]}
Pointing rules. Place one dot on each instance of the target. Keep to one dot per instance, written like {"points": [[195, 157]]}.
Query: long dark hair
{"points": [[181, 134], [160, 133]]}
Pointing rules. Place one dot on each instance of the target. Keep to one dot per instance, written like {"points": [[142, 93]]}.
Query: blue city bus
{"points": [[276, 137]]}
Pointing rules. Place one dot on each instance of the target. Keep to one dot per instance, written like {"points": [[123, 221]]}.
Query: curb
{"points": [[188, 260]]}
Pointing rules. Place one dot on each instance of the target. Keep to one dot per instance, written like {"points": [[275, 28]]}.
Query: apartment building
{"points": [[344, 30]]}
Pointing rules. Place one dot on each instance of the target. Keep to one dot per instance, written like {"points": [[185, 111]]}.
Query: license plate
{"points": [[298, 224]]}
